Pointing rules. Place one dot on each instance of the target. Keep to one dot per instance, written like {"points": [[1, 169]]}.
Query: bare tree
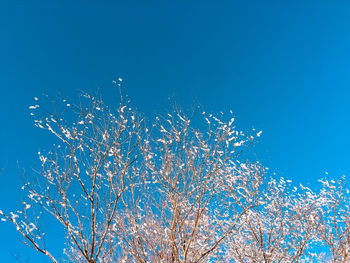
{"points": [[195, 195], [123, 190], [280, 228], [82, 179], [334, 230]]}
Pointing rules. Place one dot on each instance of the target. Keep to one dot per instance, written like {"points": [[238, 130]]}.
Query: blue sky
{"points": [[280, 66]]}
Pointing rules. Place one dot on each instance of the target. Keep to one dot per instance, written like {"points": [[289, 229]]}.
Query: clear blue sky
{"points": [[281, 67]]}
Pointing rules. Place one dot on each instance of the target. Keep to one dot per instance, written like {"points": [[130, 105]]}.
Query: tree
{"points": [[174, 191], [334, 230], [281, 226]]}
